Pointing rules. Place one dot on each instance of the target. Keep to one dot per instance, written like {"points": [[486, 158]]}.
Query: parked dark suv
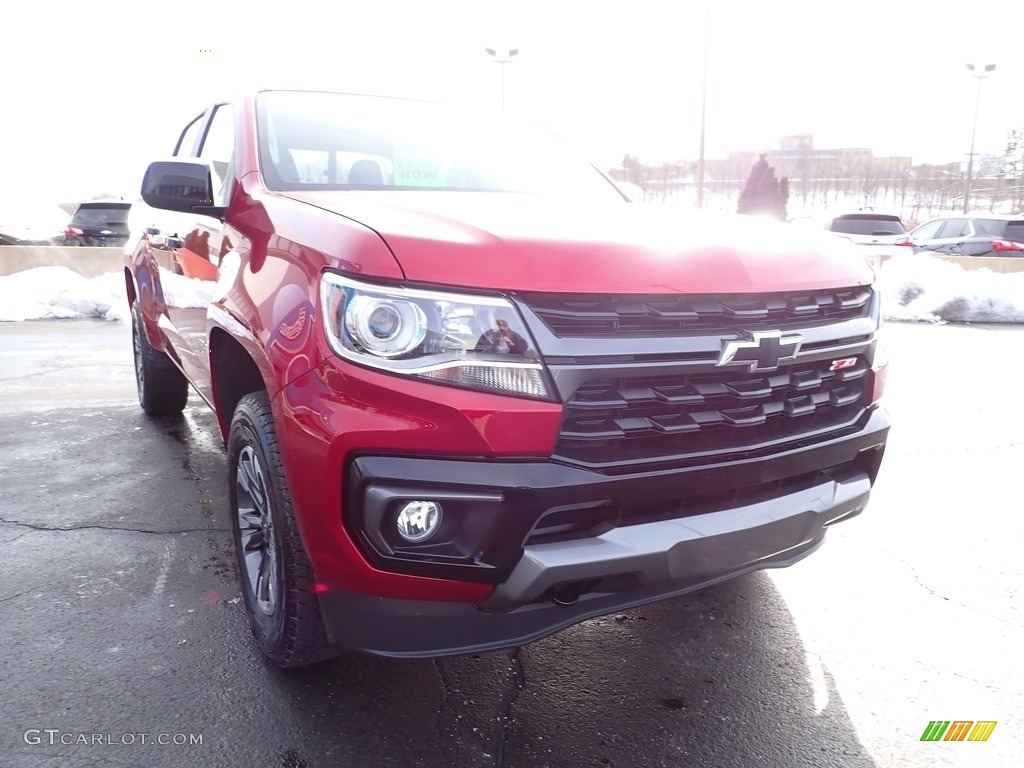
{"points": [[99, 223], [470, 394], [972, 235]]}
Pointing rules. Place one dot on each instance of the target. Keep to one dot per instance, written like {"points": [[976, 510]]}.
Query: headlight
{"points": [[479, 342], [385, 327]]}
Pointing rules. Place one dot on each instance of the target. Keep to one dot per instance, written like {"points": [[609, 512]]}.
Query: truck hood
{"points": [[521, 242]]}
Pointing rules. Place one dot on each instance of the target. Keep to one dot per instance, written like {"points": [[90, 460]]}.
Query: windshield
{"points": [[340, 141]]}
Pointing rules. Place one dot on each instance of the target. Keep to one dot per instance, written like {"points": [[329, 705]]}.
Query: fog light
{"points": [[418, 520]]}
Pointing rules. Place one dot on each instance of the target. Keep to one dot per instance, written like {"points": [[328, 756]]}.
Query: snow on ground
{"points": [[46, 292], [913, 286], [58, 292], [921, 287]]}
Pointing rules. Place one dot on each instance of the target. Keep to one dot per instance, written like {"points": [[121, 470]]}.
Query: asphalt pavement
{"points": [[124, 640]]}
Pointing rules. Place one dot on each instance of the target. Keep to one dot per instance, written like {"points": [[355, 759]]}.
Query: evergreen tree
{"points": [[636, 172], [764, 194]]}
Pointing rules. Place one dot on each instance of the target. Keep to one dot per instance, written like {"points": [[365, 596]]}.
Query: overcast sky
{"points": [[91, 91]]}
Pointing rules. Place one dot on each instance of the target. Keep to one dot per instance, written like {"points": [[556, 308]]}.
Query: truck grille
{"points": [[693, 418], [577, 315]]}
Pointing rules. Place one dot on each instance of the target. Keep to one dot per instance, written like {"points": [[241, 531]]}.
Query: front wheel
{"points": [[277, 580], [163, 389]]}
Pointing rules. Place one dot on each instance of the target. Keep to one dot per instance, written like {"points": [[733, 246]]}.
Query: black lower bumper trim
{"points": [[486, 540], [423, 629]]}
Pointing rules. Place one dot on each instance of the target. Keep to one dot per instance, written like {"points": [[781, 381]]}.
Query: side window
{"points": [[927, 231], [311, 165], [990, 227], [954, 228], [218, 151], [187, 140]]}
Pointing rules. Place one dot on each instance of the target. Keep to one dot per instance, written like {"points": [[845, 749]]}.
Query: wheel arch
{"points": [[234, 373], [129, 287]]}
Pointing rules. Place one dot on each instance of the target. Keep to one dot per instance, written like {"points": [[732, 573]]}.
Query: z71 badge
{"points": [[843, 364]]}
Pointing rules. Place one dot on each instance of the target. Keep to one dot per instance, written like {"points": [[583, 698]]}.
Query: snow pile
{"points": [[59, 292], [46, 292], [920, 287], [30, 224]]}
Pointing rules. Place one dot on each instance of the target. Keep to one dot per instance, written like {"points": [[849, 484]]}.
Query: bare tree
{"points": [[1013, 168]]}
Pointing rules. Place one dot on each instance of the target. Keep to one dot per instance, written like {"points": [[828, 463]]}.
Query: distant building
{"points": [[799, 142], [798, 160]]}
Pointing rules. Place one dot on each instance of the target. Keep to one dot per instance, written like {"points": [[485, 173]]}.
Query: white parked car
{"points": [[874, 234]]}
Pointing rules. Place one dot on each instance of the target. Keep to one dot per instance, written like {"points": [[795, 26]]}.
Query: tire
{"points": [[163, 389], [276, 579]]}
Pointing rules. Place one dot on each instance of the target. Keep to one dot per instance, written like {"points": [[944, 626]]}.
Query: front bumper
{"points": [[548, 582], [648, 562]]}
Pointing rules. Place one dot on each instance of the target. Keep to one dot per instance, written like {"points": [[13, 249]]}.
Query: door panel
{"points": [[198, 255]]}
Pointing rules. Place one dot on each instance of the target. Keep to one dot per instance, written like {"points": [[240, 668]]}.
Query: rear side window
{"points": [[990, 227], [1011, 230], [1015, 231], [877, 225], [101, 216]]}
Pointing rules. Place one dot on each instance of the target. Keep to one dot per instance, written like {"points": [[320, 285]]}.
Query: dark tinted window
{"points": [[864, 225], [101, 216], [955, 228], [1014, 231], [989, 227]]}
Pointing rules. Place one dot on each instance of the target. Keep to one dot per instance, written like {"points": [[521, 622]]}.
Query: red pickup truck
{"points": [[470, 394]]}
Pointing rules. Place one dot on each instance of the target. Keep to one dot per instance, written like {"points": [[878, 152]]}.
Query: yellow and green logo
{"points": [[958, 730]]}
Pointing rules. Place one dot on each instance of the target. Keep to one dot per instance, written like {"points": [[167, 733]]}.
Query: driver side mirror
{"points": [[180, 185]]}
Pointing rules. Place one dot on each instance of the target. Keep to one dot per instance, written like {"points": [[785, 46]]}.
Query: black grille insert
{"points": [[581, 315], [698, 417]]}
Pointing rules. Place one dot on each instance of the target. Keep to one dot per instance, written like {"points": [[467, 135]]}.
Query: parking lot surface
{"points": [[125, 643]]}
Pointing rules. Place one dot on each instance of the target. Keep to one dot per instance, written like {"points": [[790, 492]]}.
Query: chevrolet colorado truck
{"points": [[470, 394]]}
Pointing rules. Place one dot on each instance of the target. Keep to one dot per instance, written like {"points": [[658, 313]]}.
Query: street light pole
{"points": [[979, 75], [703, 108], [507, 59]]}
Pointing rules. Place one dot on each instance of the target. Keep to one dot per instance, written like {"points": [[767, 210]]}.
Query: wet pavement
{"points": [[123, 626]]}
